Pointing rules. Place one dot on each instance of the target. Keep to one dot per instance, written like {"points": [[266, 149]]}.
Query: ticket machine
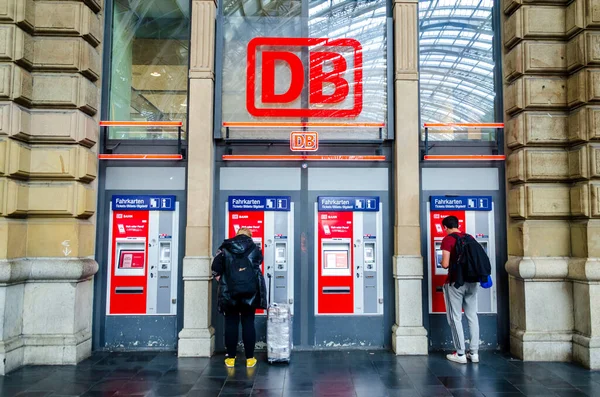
{"points": [[348, 256], [143, 252], [271, 222], [475, 216]]}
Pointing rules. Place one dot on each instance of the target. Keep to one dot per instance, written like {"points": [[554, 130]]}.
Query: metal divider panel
{"points": [[358, 270], [153, 274], [281, 269], [164, 274], [370, 275]]}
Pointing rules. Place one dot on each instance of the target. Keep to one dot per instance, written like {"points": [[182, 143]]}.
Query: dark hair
{"points": [[451, 222]]}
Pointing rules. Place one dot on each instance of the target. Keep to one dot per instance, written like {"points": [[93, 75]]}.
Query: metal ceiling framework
{"points": [[456, 61]]}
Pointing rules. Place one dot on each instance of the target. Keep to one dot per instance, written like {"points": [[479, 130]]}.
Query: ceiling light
{"points": [[155, 74]]}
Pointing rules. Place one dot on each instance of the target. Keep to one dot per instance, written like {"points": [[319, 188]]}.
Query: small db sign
{"points": [[334, 70], [304, 141]]}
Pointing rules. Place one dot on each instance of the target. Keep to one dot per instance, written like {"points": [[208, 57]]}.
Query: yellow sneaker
{"points": [[230, 362], [251, 363]]}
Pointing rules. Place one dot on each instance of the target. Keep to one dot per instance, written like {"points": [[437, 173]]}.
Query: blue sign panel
{"points": [[461, 203], [143, 203], [259, 203], [355, 203]]}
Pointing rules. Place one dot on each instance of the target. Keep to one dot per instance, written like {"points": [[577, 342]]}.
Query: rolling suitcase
{"points": [[279, 331]]}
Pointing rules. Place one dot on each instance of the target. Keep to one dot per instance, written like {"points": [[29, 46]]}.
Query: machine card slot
{"points": [[336, 290], [129, 290]]}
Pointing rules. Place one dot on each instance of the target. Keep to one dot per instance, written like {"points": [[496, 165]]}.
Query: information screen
{"points": [[131, 260], [336, 260]]}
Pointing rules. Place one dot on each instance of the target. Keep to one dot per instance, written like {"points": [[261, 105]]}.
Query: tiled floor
{"points": [[330, 374]]}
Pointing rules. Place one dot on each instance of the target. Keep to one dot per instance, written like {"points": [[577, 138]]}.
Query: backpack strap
{"points": [[455, 236]]}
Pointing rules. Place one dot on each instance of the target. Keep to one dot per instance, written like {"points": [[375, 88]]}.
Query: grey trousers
{"points": [[456, 300]]}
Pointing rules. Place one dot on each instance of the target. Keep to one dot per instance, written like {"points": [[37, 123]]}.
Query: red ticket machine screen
{"points": [[131, 260]]}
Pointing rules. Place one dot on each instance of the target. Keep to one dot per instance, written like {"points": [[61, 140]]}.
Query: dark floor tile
{"points": [[141, 358], [399, 383], [269, 383], [579, 378], [456, 382], [298, 384], [376, 387], [592, 389], [208, 383], [482, 371], [569, 393], [268, 370], [186, 377], [556, 383], [533, 390], [203, 393], [59, 386], [341, 393], [234, 386], [199, 363], [503, 394], [520, 379], [399, 393], [123, 373], [424, 381], [324, 388], [242, 373], [267, 393], [148, 375], [295, 393], [495, 386], [171, 390], [434, 391], [11, 391], [365, 382], [109, 385], [99, 394], [133, 387], [34, 394], [215, 371], [466, 393]]}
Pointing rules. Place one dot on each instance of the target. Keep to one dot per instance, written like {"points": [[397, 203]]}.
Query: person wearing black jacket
{"points": [[234, 307]]}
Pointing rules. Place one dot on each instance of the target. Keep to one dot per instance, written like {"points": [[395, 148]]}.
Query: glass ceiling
{"points": [[363, 20], [456, 61]]}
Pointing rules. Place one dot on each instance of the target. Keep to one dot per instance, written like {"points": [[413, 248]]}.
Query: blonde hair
{"points": [[245, 231]]}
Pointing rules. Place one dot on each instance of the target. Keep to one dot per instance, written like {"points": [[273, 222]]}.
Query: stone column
{"points": [[409, 336], [583, 95], [552, 240], [197, 336], [49, 96]]}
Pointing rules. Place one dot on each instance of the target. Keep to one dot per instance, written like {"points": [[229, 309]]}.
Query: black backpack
{"points": [[240, 275], [472, 259]]}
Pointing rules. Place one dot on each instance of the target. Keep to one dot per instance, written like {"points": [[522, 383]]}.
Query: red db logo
{"points": [[327, 68], [304, 141]]}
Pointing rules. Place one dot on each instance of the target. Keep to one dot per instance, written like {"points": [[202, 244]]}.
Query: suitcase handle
{"points": [[269, 293]]}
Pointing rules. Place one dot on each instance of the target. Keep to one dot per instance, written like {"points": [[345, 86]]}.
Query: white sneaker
{"points": [[454, 357], [473, 357]]}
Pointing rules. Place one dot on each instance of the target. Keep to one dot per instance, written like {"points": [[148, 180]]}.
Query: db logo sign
{"points": [[334, 88], [304, 141]]}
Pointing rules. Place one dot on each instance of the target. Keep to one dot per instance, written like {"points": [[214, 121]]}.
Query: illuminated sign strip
{"points": [[300, 124], [140, 157], [464, 125], [232, 157], [473, 157], [141, 124]]}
